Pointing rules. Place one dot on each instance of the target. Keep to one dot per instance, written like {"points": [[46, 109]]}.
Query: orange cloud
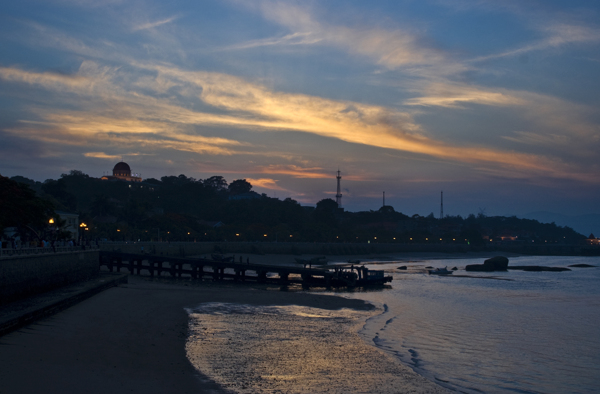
{"points": [[250, 106], [266, 183], [295, 171], [102, 155]]}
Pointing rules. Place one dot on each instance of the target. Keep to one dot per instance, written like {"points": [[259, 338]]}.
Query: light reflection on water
{"points": [[292, 349], [531, 332], [538, 332]]}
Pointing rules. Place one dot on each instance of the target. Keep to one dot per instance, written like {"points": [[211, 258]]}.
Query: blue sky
{"points": [[495, 103]]}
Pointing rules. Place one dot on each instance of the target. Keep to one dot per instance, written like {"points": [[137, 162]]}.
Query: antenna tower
{"points": [[338, 196], [442, 207]]}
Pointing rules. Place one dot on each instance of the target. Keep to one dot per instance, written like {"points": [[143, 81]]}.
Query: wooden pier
{"points": [[200, 268]]}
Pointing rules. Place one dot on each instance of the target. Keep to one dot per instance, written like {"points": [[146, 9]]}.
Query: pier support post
{"points": [[262, 276], [283, 276]]}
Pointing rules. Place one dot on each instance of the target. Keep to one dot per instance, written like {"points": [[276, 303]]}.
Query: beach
{"points": [[134, 338]]}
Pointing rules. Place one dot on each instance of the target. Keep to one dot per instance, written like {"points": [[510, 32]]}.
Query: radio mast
{"points": [[338, 196], [442, 206]]}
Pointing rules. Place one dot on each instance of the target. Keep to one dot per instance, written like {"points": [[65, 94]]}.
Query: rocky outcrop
{"points": [[538, 268], [497, 263]]}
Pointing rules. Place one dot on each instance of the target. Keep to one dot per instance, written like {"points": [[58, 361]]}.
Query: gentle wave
{"points": [[536, 333]]}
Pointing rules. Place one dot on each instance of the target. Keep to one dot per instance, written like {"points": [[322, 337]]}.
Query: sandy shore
{"points": [[132, 339]]}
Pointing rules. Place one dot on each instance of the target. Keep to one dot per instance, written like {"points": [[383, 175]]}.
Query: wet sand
{"points": [[132, 339]]}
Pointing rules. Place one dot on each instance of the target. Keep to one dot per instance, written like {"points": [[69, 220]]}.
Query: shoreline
{"points": [[401, 257], [132, 338]]}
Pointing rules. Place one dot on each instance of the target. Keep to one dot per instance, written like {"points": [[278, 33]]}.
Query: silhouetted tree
{"points": [[58, 190], [21, 208], [327, 205], [101, 206], [216, 182], [239, 186], [75, 173]]}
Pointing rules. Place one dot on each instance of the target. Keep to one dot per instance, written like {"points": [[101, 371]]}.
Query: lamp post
{"points": [[82, 228]]}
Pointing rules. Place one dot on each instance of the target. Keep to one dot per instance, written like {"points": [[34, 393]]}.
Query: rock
{"points": [[454, 269], [500, 263], [538, 268], [497, 263], [582, 265], [402, 267]]}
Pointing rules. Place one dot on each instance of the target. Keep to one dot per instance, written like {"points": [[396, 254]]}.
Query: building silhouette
{"points": [[122, 171]]}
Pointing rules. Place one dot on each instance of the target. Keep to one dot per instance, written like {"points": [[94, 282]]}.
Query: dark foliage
{"points": [[178, 208], [21, 208]]}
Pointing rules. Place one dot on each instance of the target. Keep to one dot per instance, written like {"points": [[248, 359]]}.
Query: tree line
{"points": [[181, 208]]}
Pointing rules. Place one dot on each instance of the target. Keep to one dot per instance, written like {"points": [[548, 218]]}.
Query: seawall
{"points": [[25, 275], [182, 249]]}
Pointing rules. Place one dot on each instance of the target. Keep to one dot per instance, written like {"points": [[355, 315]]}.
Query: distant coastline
{"points": [[302, 248]]}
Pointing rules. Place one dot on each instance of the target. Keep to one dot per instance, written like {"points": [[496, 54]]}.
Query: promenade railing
{"points": [[10, 252]]}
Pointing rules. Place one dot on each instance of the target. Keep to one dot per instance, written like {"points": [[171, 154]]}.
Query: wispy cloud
{"points": [[251, 106], [266, 183], [454, 95], [391, 49], [556, 35], [151, 25], [289, 39], [559, 125], [304, 172], [102, 155], [295, 171], [48, 80]]}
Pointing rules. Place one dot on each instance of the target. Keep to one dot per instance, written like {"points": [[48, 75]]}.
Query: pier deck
{"points": [[200, 268]]}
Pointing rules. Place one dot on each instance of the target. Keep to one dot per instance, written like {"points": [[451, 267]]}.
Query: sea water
{"points": [[515, 331], [472, 332]]}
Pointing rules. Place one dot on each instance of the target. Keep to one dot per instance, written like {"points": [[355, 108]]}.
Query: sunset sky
{"points": [[497, 103]]}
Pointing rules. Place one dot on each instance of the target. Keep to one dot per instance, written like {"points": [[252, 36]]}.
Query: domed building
{"points": [[122, 171]]}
